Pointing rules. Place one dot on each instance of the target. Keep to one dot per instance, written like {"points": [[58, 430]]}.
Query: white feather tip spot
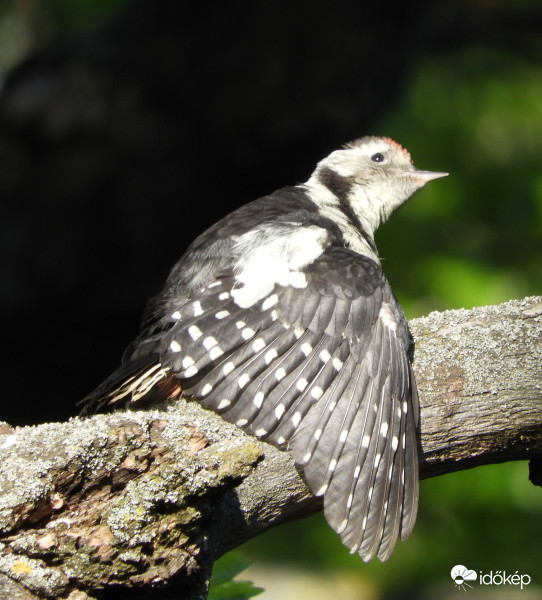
{"points": [[279, 410], [258, 344], [280, 374], [174, 346], [258, 400], [194, 332], [322, 490], [191, 371], [243, 380], [306, 349], [206, 389]]}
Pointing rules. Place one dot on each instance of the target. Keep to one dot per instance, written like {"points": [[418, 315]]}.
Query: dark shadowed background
{"points": [[127, 127]]}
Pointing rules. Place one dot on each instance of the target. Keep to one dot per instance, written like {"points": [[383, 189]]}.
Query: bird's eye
{"points": [[378, 157]]}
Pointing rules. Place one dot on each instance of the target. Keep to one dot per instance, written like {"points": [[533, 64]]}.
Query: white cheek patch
{"points": [[270, 258]]}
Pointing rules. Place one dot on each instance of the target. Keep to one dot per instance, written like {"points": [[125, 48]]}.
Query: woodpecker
{"points": [[279, 318]]}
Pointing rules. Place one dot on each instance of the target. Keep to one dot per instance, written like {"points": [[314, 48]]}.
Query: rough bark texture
{"points": [[140, 504], [479, 373]]}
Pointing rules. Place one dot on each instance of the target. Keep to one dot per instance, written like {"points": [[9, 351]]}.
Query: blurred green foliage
{"points": [[68, 15], [473, 238]]}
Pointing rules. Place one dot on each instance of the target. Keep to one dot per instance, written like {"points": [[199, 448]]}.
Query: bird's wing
{"points": [[315, 361], [319, 365]]}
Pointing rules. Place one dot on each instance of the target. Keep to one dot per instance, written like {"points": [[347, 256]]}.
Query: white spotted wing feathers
{"points": [[322, 370]]}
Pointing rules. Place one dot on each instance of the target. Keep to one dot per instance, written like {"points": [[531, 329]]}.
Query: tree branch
{"points": [[134, 503], [479, 375]]}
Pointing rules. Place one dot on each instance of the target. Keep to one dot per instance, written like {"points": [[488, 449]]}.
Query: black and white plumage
{"points": [[280, 318]]}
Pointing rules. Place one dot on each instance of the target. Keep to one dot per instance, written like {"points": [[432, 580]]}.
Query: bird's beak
{"points": [[423, 177]]}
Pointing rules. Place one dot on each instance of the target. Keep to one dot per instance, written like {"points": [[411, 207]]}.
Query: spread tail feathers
{"points": [[135, 383]]}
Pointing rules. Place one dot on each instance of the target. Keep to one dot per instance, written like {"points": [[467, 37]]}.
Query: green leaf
{"points": [[222, 585]]}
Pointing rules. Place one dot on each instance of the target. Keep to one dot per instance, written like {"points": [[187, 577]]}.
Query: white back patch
{"points": [[275, 255]]}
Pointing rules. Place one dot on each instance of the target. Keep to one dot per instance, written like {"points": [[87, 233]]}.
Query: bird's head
{"points": [[371, 177]]}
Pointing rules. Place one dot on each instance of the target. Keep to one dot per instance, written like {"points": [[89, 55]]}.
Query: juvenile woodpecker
{"points": [[280, 319]]}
